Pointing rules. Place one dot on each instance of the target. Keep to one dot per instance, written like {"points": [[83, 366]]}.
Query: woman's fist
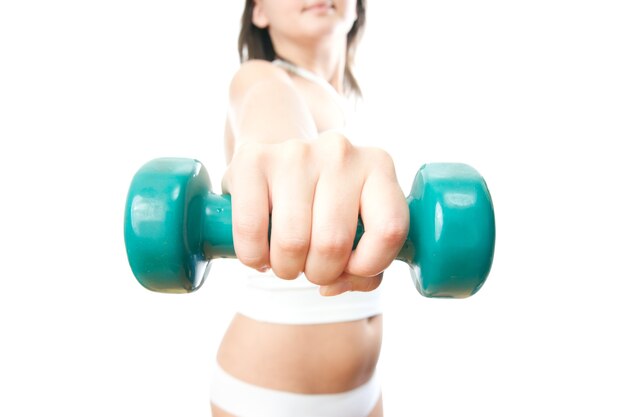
{"points": [[315, 192]]}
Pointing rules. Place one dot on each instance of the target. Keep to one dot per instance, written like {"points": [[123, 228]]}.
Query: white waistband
{"points": [[271, 299], [246, 400]]}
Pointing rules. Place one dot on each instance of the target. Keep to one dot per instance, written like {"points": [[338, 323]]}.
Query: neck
{"points": [[325, 59]]}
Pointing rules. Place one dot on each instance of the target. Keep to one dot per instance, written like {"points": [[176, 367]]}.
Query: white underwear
{"points": [[243, 399]]}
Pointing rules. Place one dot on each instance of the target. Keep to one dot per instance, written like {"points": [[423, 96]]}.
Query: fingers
{"points": [[385, 217], [335, 215], [250, 209], [292, 196], [278, 180], [347, 282]]}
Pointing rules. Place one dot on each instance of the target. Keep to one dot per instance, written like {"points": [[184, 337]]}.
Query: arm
{"points": [[314, 190], [265, 107]]}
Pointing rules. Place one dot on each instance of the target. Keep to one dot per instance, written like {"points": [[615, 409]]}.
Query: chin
{"points": [[322, 30]]}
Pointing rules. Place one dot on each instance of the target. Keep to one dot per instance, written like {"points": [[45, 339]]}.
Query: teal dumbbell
{"points": [[175, 225]]}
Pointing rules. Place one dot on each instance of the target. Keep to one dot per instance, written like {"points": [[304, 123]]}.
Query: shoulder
{"points": [[254, 72], [260, 66]]}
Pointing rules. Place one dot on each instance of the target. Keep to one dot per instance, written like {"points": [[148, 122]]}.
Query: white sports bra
{"points": [[308, 75], [347, 106], [271, 299]]}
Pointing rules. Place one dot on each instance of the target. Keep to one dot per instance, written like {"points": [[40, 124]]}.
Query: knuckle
{"points": [[337, 147], [322, 273], [319, 279], [381, 155], [381, 159], [249, 228], [334, 245], [284, 273], [252, 261], [295, 150], [394, 232], [247, 152], [248, 160], [292, 245]]}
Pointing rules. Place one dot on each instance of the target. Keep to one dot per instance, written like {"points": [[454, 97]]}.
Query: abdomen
{"points": [[312, 359]]}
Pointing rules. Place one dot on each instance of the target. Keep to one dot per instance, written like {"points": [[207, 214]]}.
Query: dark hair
{"points": [[255, 43]]}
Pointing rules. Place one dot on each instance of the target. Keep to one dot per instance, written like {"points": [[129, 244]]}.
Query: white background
{"points": [[532, 93]]}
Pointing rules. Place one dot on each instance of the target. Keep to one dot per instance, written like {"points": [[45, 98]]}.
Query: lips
{"points": [[319, 5]]}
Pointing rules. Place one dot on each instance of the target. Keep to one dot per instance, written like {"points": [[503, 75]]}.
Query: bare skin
{"points": [[311, 359], [281, 357], [282, 161]]}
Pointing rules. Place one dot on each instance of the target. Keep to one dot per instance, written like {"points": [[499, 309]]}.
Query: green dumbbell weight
{"points": [[175, 225]]}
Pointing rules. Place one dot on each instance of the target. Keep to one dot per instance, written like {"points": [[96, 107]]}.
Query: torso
{"points": [[318, 358]]}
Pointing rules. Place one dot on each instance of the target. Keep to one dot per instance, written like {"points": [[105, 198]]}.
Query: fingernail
{"points": [[264, 268]]}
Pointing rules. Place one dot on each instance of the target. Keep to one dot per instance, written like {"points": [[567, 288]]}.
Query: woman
{"points": [[307, 337]]}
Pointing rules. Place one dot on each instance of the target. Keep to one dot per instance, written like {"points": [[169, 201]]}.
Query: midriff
{"points": [[310, 359]]}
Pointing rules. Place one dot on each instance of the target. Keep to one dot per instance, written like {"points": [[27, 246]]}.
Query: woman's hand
{"points": [[315, 191]]}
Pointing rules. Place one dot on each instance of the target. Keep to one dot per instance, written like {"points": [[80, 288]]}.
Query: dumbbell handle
{"points": [[217, 234]]}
